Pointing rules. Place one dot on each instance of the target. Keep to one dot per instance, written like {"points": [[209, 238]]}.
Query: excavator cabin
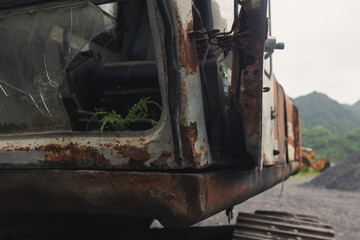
{"points": [[156, 109]]}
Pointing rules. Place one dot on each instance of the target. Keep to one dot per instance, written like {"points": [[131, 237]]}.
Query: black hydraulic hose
{"points": [[207, 97], [173, 76], [199, 26]]}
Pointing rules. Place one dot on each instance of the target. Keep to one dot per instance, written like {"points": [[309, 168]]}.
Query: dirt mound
{"points": [[343, 176]]}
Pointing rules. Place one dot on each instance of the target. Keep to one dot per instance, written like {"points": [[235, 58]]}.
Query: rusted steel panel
{"points": [[248, 87], [297, 134], [176, 199], [195, 149], [280, 119], [244, 185], [293, 131], [88, 151], [186, 42], [189, 136]]}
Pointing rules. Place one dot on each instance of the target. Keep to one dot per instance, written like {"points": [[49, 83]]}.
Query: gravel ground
{"points": [[345, 175], [340, 209]]}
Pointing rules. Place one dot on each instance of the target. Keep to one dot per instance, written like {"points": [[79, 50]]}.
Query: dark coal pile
{"points": [[343, 176]]}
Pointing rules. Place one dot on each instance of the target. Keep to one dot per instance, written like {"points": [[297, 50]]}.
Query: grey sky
{"points": [[321, 46], [227, 12]]}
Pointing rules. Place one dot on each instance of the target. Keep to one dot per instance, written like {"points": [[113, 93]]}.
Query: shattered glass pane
{"points": [[36, 48]]}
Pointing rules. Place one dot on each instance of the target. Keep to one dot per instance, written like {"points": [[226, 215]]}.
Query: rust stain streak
{"points": [[132, 152], [189, 136], [72, 153], [187, 47]]}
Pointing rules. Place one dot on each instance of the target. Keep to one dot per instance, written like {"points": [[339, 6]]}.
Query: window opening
{"points": [[62, 66]]}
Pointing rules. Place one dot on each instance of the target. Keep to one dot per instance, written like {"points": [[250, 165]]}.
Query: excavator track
{"points": [[280, 225], [261, 225]]}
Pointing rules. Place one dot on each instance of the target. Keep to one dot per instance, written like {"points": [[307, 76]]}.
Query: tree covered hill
{"points": [[355, 107], [317, 109], [331, 128], [331, 146]]}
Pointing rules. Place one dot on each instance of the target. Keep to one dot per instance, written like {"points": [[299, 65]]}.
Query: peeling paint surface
{"points": [[193, 136]]}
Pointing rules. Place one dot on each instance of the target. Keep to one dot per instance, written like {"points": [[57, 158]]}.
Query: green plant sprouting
{"points": [[136, 114]]}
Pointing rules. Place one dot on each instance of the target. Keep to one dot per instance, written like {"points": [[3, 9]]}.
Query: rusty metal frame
{"points": [[178, 141], [249, 58], [193, 137], [293, 131]]}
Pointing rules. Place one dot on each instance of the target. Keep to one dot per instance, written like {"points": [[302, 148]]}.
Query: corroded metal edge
{"points": [[293, 131], [248, 73], [193, 136], [176, 199]]}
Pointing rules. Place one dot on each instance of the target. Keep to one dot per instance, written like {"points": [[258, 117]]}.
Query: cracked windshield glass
{"points": [[34, 58]]}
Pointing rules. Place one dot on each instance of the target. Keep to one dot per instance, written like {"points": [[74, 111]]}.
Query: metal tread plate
{"points": [[280, 225]]}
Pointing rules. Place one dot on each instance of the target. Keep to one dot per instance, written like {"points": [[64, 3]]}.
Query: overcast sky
{"points": [[322, 47]]}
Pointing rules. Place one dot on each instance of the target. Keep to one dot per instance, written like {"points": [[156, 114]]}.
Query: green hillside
{"points": [[317, 109], [331, 128], [356, 107], [331, 146]]}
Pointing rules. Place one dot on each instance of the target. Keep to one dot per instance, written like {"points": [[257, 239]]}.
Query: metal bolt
{"points": [[271, 45]]}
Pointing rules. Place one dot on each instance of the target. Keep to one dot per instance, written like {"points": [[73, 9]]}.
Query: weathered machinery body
{"points": [[226, 130]]}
